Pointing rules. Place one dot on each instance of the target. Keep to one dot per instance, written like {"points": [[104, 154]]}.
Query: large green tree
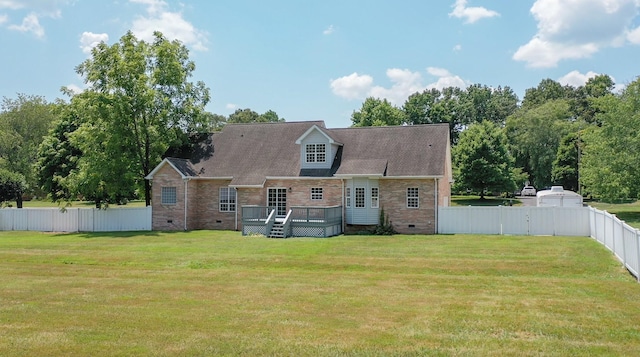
{"points": [[138, 102], [250, 116], [377, 112], [460, 108], [24, 121], [482, 160], [57, 155], [12, 186], [610, 165], [534, 135]]}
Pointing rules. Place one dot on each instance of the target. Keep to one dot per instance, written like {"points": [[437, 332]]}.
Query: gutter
{"points": [[186, 188]]}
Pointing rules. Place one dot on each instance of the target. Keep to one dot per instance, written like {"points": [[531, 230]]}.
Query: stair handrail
{"points": [[286, 224], [271, 219]]}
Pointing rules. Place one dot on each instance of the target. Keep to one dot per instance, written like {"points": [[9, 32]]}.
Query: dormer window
{"points": [[316, 153]]}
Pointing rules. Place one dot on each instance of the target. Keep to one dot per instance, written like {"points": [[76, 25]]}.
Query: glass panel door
{"points": [[277, 198]]}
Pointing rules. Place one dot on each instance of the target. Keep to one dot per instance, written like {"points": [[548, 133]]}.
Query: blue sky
{"points": [[319, 60]]}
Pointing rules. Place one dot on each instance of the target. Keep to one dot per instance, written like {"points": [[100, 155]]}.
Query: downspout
{"points": [[186, 188], [436, 203], [344, 210], [235, 191]]}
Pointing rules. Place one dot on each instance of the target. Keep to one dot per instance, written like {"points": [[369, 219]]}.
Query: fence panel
{"points": [[569, 221], [75, 219]]}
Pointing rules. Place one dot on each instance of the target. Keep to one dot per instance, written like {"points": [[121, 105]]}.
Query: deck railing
{"points": [[317, 214], [301, 221]]}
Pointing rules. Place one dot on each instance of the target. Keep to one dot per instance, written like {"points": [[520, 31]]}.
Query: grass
{"points": [[218, 293], [466, 200], [628, 212]]}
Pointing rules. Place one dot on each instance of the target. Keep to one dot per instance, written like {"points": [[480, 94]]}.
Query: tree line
{"points": [[140, 103], [582, 138], [101, 143]]}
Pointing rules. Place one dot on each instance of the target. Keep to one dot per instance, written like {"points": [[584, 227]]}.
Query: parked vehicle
{"points": [[528, 191]]}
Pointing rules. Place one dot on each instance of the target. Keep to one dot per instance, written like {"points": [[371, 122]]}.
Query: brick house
{"points": [[302, 179]]}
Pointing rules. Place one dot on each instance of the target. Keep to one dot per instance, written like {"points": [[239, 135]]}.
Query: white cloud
{"points": [[404, 83], [171, 24], [89, 40], [633, 36], [329, 30], [29, 24], [75, 89], [353, 86], [37, 8], [457, 48], [11, 4], [574, 29], [231, 106], [445, 79], [471, 14], [576, 79]]}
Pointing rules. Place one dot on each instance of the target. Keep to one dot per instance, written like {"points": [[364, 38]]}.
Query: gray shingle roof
{"points": [[249, 153]]}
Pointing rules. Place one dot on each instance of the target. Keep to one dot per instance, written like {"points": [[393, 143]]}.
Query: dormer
{"points": [[317, 149]]}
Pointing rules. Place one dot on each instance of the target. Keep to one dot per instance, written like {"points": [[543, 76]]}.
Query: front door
{"points": [[277, 197]]}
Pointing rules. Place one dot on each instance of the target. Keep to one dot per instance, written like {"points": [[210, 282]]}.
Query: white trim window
{"points": [[413, 197], [316, 153], [375, 194], [227, 199], [360, 197], [347, 197], [316, 193], [168, 196]]}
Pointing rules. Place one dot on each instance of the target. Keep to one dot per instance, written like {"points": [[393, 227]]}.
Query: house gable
{"points": [[318, 149], [182, 166]]}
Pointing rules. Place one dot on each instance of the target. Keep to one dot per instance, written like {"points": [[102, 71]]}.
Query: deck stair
{"points": [[277, 231]]}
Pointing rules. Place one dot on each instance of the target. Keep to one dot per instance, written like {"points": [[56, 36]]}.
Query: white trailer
{"points": [[558, 197]]}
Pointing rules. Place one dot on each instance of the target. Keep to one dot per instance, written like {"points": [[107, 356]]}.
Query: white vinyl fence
{"points": [[75, 219], [622, 239], [619, 237], [554, 221]]}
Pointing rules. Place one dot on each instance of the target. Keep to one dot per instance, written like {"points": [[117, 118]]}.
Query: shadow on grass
{"points": [[487, 201], [127, 234]]}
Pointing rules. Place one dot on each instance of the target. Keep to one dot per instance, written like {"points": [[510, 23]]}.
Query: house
{"points": [[302, 179]]}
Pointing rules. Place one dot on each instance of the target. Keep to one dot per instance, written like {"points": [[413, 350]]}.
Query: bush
{"points": [[384, 227]]}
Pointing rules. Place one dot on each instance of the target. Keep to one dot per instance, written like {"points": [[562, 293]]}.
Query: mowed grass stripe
{"points": [[218, 293]]}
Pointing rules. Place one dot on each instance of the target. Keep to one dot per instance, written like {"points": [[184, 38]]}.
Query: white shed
{"points": [[558, 197]]}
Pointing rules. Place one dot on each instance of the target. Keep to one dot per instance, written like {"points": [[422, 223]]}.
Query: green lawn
{"points": [[466, 200], [628, 212], [218, 293]]}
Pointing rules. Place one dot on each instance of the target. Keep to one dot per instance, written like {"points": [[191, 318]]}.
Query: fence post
{"points": [[637, 234]]}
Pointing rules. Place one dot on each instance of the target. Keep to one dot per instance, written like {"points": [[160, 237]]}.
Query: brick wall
{"points": [[393, 198], [205, 209], [167, 217]]}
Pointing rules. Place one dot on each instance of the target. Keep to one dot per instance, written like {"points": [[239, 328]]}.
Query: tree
{"points": [[139, 101], [433, 106], [57, 156], [12, 186], [377, 112], [534, 136], [460, 108], [546, 91], [23, 123], [482, 160], [565, 167], [270, 117], [250, 116], [610, 165], [244, 116], [215, 122]]}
